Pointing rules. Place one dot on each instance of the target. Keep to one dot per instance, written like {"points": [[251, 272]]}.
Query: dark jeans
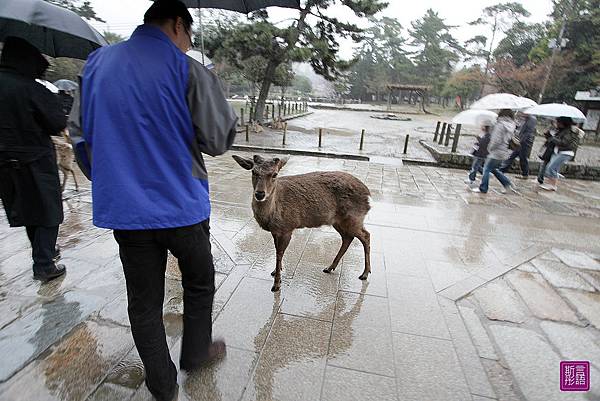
{"points": [[144, 257], [491, 166], [522, 153], [476, 167], [43, 245]]}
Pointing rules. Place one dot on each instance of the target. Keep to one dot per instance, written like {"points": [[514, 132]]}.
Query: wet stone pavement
{"points": [[472, 297]]}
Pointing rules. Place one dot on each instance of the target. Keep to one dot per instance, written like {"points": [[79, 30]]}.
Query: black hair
{"points": [[163, 10], [565, 121], [24, 57], [506, 113]]}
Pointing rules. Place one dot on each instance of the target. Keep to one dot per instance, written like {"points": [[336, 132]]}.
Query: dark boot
{"points": [[57, 254], [49, 272], [216, 350]]}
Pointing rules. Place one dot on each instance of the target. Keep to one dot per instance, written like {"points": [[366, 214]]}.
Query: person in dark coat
{"points": [[479, 152], [526, 137], [29, 183]]}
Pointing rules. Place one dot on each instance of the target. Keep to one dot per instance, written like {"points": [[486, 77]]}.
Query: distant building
{"points": [[591, 108]]}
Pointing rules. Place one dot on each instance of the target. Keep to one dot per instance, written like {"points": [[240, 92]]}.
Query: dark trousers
{"points": [[43, 245], [144, 257], [523, 154]]}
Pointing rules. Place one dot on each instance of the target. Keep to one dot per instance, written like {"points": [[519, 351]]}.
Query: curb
{"points": [[299, 152]]}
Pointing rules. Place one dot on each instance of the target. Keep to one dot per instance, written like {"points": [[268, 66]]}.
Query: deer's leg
{"points": [[281, 243], [75, 179], [346, 241], [64, 183], [365, 237]]}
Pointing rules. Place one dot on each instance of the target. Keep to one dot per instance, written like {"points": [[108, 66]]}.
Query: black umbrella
{"points": [[241, 6], [66, 85], [54, 30]]}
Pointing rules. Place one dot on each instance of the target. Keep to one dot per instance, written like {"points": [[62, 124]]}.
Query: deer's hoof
{"points": [[273, 273], [363, 276], [275, 288], [326, 270]]}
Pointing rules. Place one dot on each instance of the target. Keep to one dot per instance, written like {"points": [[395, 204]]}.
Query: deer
{"points": [[65, 158], [283, 204]]}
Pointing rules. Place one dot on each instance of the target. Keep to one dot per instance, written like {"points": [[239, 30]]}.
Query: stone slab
{"points": [[586, 303], [580, 260], [350, 385], [482, 342], [561, 276], [574, 343], [499, 302]]}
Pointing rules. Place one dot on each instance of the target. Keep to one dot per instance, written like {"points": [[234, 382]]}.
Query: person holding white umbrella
{"points": [[498, 149], [526, 137], [564, 144]]}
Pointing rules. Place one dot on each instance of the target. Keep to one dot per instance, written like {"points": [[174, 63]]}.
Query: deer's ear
{"points": [[281, 161], [244, 163], [258, 159]]}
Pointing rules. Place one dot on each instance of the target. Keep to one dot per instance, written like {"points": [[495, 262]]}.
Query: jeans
{"points": [[144, 257], [555, 163], [491, 166], [43, 245], [476, 167], [522, 153]]}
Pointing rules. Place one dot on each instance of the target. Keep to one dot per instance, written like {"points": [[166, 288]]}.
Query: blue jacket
{"points": [[148, 112]]}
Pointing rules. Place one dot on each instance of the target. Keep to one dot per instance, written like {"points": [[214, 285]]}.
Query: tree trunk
{"points": [[264, 91]]}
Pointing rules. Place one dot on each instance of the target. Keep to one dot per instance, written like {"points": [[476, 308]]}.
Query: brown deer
{"points": [[281, 205], [65, 158]]}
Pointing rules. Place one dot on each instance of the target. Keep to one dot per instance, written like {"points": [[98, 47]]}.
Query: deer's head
{"points": [[264, 174]]}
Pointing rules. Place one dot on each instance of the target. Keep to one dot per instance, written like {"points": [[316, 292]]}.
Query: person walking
{"points": [[498, 150], [565, 143], [29, 182], [479, 152], [526, 137], [148, 112]]}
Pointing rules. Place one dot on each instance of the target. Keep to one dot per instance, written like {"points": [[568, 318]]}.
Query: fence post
{"points": [[362, 139], [320, 136], [279, 110], [273, 112], [247, 132], [242, 120], [437, 131], [448, 133], [456, 136], [406, 143], [284, 132], [251, 116], [441, 138], [267, 111]]}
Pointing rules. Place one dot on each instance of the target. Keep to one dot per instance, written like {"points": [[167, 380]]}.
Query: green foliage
{"points": [[519, 41], [83, 8], [465, 83], [438, 50], [64, 68], [112, 37], [302, 85]]}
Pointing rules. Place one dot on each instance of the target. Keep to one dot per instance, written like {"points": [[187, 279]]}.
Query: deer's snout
{"points": [[259, 195]]}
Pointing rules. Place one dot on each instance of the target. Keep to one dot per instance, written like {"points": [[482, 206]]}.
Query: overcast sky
{"points": [[123, 16]]}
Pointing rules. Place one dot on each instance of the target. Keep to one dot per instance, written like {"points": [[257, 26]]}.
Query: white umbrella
{"points": [[557, 110], [497, 101], [197, 55], [475, 117], [50, 86]]}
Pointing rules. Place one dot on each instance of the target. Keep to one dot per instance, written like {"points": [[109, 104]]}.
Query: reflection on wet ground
{"points": [[465, 290]]}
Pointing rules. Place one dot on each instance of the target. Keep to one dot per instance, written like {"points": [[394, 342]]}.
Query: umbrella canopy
{"points": [[66, 85], [475, 117], [52, 88], [202, 59], [241, 6], [497, 101], [55, 31], [556, 110]]}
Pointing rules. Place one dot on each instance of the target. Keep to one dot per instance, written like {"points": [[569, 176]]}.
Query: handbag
{"points": [[514, 143], [546, 151]]}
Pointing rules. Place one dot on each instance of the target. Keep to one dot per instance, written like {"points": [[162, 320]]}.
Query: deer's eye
{"points": [[274, 175]]}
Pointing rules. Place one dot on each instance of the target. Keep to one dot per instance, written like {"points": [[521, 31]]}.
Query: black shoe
{"points": [[57, 254], [49, 273], [216, 350]]}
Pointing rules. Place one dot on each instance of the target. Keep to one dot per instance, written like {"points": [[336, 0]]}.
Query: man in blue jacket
{"points": [[148, 112]]}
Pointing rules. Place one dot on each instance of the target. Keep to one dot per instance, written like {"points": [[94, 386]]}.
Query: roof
{"points": [[588, 96]]}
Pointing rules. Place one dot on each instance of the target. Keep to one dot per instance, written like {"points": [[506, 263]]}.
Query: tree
{"points": [[438, 50], [519, 41], [112, 37], [64, 68], [465, 83], [302, 85], [83, 8], [499, 18], [313, 39]]}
